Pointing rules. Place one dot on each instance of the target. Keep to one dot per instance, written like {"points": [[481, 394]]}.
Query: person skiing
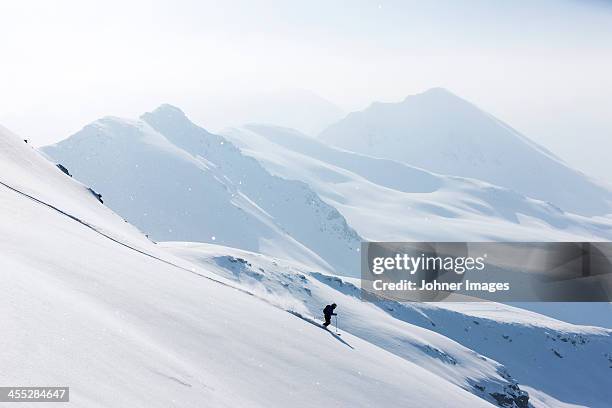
{"points": [[328, 312]]}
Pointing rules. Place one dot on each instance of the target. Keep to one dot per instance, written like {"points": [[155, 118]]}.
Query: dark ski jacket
{"points": [[328, 312]]}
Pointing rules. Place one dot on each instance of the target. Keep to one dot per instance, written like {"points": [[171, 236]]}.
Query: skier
{"points": [[328, 312]]}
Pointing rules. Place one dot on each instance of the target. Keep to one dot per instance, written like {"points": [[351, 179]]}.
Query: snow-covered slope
{"points": [[124, 322], [385, 200], [441, 132], [480, 347], [23, 169], [128, 326], [176, 181]]}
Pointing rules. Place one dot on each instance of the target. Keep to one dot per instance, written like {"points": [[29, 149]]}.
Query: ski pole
{"points": [[336, 324]]}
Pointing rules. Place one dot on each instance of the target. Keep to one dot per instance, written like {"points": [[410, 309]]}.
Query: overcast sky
{"points": [[542, 66]]}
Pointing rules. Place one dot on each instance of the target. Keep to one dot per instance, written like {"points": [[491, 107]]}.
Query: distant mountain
{"points": [[297, 108], [176, 181], [386, 200], [441, 132]]}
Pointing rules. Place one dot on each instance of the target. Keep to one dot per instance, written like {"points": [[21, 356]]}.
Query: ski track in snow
{"points": [[317, 324]]}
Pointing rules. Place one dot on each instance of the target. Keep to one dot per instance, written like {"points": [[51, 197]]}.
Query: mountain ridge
{"points": [[387, 200], [441, 132], [218, 195]]}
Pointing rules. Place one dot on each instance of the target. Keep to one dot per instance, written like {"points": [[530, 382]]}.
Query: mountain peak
{"points": [[444, 133], [436, 93], [432, 96], [437, 90], [168, 119], [167, 109]]}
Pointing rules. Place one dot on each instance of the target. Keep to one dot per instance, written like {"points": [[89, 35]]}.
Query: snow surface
{"points": [[125, 322], [441, 132], [176, 181], [385, 200], [471, 345], [137, 327]]}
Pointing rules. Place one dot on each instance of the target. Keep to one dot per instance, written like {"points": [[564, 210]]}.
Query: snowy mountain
{"points": [[386, 200], [176, 181], [443, 133], [480, 347], [189, 324], [94, 305]]}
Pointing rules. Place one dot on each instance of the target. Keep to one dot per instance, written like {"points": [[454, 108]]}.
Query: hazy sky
{"points": [[542, 66]]}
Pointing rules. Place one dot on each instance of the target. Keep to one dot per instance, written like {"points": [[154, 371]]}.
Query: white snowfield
{"points": [[481, 347], [176, 181], [385, 200], [93, 304], [89, 303], [441, 132]]}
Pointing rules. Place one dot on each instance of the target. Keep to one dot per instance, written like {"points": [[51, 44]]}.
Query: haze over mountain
{"points": [[176, 181], [443, 133], [296, 108]]}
